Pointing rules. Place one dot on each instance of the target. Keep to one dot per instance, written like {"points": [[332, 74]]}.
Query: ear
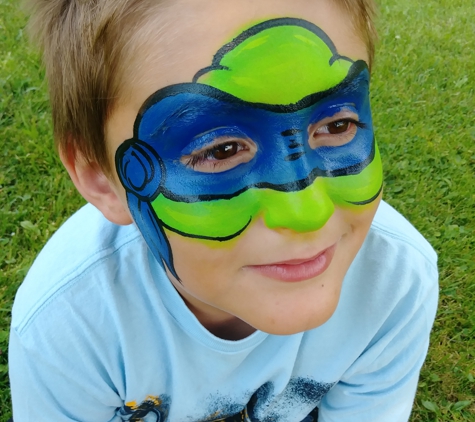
{"points": [[95, 187]]}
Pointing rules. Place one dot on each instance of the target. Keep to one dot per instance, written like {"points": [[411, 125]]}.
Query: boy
{"points": [[260, 281]]}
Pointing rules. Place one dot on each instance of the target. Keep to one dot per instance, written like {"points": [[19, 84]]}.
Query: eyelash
{"points": [[207, 155], [357, 123]]}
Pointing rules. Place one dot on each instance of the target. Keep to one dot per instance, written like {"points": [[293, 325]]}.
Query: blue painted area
{"points": [[189, 117]]}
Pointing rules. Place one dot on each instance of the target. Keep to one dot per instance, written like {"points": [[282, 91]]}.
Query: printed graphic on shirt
{"points": [[152, 409], [301, 397], [242, 141]]}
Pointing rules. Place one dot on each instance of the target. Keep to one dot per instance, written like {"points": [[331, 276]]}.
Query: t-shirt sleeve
{"points": [[381, 383], [49, 386], [63, 347]]}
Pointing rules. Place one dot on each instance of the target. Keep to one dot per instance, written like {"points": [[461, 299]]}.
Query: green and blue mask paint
{"points": [[269, 84]]}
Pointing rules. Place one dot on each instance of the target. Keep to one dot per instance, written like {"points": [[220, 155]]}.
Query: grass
{"points": [[35, 194], [423, 98], [423, 102]]}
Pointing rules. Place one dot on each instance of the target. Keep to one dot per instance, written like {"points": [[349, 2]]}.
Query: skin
{"points": [[218, 282]]}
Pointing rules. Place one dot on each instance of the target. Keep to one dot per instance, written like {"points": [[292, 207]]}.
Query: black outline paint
{"points": [[145, 149], [294, 156], [198, 236], [291, 132], [368, 201]]}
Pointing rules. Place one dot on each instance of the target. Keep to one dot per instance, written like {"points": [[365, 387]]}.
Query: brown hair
{"points": [[84, 43], [363, 12]]}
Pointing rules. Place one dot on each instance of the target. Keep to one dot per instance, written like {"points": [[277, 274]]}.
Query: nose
{"points": [[301, 211]]}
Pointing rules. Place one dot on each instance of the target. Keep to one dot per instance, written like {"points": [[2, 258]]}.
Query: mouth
{"points": [[297, 269]]}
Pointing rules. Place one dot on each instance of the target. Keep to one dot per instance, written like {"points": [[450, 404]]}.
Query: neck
{"points": [[231, 329], [221, 324], [218, 322]]}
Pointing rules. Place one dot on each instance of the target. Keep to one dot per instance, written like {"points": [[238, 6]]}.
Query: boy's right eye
{"points": [[223, 154]]}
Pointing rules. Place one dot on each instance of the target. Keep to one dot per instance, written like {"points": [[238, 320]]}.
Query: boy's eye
{"points": [[334, 131], [223, 151], [223, 154], [340, 126]]}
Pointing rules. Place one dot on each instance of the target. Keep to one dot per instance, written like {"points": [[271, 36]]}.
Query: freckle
{"points": [[322, 285]]}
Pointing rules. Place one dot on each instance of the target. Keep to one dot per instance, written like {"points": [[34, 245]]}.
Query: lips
{"points": [[297, 269]]}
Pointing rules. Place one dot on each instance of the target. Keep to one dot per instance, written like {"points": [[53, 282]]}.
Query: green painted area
{"points": [[356, 188], [256, 76], [302, 211]]}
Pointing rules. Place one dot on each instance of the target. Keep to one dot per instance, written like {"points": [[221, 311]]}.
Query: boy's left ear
{"points": [[95, 187]]}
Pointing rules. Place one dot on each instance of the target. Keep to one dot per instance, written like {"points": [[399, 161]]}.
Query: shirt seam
{"points": [[422, 250]]}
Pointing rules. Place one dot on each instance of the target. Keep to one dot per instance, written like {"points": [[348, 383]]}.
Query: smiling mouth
{"points": [[297, 269]]}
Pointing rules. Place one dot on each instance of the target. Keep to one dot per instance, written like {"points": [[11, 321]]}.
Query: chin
{"points": [[285, 326]]}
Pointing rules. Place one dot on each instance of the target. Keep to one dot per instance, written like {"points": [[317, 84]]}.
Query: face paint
{"points": [[242, 141]]}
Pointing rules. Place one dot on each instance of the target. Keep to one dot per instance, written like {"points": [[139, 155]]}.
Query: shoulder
{"points": [[392, 229], [388, 302], [395, 271], [85, 249]]}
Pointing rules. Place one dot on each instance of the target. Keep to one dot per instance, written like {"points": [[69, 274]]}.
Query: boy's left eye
{"points": [[334, 131]]}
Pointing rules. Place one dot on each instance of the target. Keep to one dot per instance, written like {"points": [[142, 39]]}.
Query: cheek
{"points": [[360, 189], [195, 258], [359, 219]]}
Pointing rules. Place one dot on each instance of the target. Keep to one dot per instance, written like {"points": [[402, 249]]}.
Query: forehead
{"points": [[189, 34]]}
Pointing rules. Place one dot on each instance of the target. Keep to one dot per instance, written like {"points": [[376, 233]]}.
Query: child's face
{"points": [[251, 169]]}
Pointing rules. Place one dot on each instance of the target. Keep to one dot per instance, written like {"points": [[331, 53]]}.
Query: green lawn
{"points": [[424, 109]]}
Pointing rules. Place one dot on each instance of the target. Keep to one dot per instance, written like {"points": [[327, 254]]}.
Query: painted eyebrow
{"points": [[343, 105], [170, 120], [181, 114]]}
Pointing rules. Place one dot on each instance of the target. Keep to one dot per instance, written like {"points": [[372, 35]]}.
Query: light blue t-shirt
{"points": [[100, 334]]}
